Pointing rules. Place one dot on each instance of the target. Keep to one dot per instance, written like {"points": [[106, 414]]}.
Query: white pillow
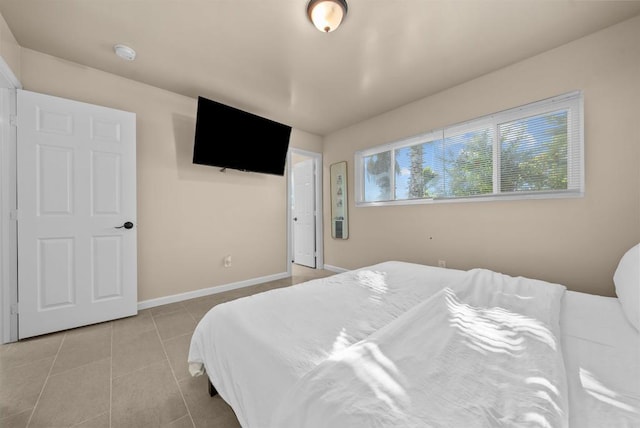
{"points": [[627, 281]]}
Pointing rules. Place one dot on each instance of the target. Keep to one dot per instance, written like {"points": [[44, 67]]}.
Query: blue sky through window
{"points": [[530, 136], [532, 148]]}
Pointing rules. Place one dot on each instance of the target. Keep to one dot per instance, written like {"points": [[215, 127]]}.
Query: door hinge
{"points": [[13, 215], [13, 309], [13, 120]]}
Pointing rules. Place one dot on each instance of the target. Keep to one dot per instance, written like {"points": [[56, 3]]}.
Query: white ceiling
{"points": [[264, 56]]}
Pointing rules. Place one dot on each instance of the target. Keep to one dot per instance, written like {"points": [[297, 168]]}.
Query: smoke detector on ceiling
{"points": [[125, 52]]}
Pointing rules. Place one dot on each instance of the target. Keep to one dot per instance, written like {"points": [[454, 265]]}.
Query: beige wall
{"points": [[577, 242], [9, 48], [189, 216], [306, 141]]}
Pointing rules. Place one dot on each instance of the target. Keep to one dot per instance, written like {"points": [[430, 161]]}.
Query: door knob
{"points": [[295, 219], [126, 225]]}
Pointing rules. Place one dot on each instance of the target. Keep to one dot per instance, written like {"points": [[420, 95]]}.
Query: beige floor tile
{"points": [[148, 397], [127, 327], [194, 390], [165, 309], [20, 386], [201, 299], [299, 270], [17, 421], [284, 281], [29, 350], [145, 393], [100, 421], [174, 324], [199, 307], [229, 296], [84, 346], [178, 350], [135, 351], [238, 293], [215, 414], [183, 422], [74, 396], [206, 411], [260, 288]]}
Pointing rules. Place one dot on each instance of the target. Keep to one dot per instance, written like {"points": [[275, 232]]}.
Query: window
{"points": [[531, 151]]}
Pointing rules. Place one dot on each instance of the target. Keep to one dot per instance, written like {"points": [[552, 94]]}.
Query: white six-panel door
{"points": [[76, 184], [304, 232]]}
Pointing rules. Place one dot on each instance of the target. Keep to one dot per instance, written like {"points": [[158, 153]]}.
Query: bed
{"points": [[370, 347]]}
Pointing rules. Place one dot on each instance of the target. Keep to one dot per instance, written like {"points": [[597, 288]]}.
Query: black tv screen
{"points": [[230, 138]]}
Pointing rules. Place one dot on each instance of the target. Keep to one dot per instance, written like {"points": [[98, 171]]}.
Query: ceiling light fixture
{"points": [[125, 52], [327, 15]]}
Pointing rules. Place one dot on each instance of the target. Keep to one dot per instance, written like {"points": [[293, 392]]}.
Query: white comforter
{"points": [[483, 352], [255, 349]]}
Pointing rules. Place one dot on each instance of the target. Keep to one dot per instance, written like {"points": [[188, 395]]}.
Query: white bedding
{"points": [[256, 349], [602, 360], [482, 353]]}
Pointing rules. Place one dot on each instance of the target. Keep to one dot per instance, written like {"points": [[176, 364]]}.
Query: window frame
{"points": [[572, 102]]}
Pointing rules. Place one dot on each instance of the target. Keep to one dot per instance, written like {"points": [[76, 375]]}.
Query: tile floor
{"points": [[130, 372]]}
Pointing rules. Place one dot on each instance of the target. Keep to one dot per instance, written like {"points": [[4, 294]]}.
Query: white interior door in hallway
{"points": [[76, 214], [304, 221]]}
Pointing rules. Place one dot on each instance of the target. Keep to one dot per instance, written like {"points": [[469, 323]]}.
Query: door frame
{"points": [[317, 174], [8, 205]]}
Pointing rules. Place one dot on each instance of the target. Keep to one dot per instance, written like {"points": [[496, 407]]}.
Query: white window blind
{"points": [[379, 174], [530, 151]]}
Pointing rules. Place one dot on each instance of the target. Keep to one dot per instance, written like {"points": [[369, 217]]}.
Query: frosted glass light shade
{"points": [[327, 15], [124, 52]]}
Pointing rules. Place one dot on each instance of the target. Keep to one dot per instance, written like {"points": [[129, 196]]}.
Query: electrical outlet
{"points": [[227, 261], [442, 263]]}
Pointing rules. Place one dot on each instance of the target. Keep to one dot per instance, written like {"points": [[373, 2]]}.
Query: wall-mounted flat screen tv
{"points": [[230, 138]]}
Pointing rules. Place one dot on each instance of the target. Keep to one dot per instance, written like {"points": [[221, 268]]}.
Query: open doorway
{"points": [[304, 214]]}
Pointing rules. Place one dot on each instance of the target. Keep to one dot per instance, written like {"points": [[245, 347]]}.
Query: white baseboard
{"points": [[335, 269], [151, 303]]}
